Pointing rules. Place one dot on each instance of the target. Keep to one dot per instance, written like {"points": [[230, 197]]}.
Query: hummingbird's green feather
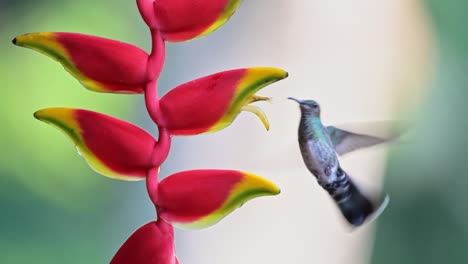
{"points": [[312, 128]]}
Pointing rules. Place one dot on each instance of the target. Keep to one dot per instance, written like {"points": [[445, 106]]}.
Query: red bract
{"points": [[213, 102], [200, 198], [118, 149], [152, 243], [181, 20], [100, 64], [112, 147]]}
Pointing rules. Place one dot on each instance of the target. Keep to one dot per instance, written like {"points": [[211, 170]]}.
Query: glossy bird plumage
{"points": [[320, 147]]}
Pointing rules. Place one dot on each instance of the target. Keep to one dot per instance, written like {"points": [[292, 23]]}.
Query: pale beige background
{"points": [[362, 60]]}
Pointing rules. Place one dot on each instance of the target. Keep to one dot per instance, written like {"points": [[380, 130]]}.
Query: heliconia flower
{"points": [[112, 147], [213, 102], [200, 198], [101, 65], [151, 243], [181, 20]]}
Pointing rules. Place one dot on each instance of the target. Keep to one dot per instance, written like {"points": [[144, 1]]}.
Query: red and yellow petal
{"points": [[112, 147], [151, 243], [99, 64], [181, 20], [200, 198], [211, 103]]}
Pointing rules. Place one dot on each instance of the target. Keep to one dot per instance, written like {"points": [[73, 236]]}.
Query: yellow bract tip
{"points": [[268, 73], [252, 181], [34, 39], [231, 7], [59, 113]]}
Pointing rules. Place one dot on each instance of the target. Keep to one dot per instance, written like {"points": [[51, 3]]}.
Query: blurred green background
{"points": [[54, 209], [428, 179]]}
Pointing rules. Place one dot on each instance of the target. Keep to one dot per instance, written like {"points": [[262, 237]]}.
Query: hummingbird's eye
{"points": [[315, 105]]}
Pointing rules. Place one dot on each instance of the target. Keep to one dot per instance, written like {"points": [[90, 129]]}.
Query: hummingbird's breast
{"points": [[317, 150], [319, 158]]}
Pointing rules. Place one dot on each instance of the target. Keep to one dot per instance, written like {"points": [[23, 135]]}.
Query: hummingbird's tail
{"points": [[354, 205]]}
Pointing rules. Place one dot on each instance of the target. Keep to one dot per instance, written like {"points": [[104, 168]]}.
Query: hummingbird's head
{"points": [[310, 107]]}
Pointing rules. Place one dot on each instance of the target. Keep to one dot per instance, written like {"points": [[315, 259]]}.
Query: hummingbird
{"points": [[320, 146]]}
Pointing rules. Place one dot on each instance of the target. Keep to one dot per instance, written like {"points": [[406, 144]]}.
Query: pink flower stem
{"points": [[152, 183], [154, 67], [146, 9], [162, 147], [160, 152], [157, 56], [152, 102]]}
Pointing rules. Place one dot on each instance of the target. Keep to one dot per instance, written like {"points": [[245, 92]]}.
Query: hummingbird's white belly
{"points": [[321, 160]]}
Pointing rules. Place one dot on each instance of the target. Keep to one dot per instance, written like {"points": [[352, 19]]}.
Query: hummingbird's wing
{"points": [[346, 141]]}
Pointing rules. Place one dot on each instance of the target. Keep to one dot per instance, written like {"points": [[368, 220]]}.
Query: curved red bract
{"points": [[100, 64], [121, 146], [118, 66], [196, 106], [180, 20], [121, 150], [190, 195], [88, 53], [152, 243]]}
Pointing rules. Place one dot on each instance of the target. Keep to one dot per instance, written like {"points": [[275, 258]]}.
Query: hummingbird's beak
{"points": [[297, 100]]}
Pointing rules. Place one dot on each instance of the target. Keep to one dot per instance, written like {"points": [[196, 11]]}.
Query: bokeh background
{"points": [[363, 60]]}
